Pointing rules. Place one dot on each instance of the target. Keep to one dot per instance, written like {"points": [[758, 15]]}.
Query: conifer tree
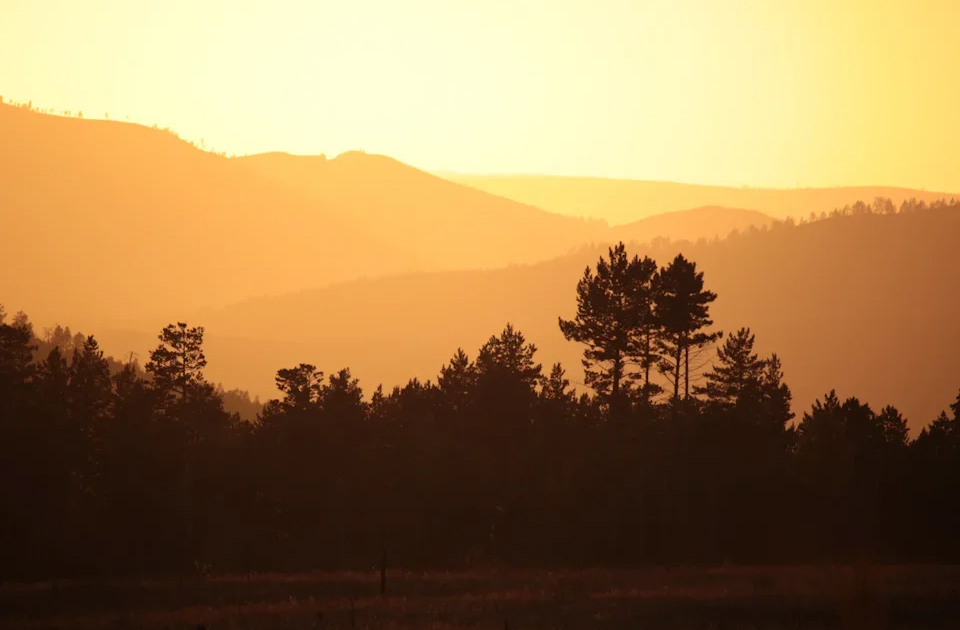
{"points": [[342, 398], [682, 308], [177, 363], [508, 361], [90, 385], [457, 381], [739, 373], [507, 377], [301, 386], [615, 321], [776, 395], [556, 386], [16, 355]]}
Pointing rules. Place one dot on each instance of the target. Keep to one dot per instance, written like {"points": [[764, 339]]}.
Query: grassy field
{"points": [[681, 598]]}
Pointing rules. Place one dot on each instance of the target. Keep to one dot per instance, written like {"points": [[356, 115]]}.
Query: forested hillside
{"points": [[495, 459], [821, 294]]}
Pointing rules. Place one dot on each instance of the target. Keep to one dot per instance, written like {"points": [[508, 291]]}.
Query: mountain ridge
{"points": [[621, 201], [101, 192], [467, 227], [822, 314]]}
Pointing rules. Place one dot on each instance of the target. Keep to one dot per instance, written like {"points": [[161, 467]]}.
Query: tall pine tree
{"points": [[177, 363], [739, 373], [682, 308], [615, 321]]}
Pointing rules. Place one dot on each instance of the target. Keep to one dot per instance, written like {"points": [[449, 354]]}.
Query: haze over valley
{"points": [[361, 261], [479, 314]]}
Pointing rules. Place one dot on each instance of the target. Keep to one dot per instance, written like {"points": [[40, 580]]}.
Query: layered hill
{"points": [[623, 200], [107, 217], [106, 220], [708, 222], [864, 304], [457, 226], [467, 227]]}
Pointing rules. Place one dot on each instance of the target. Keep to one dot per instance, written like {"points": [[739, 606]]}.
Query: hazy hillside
{"points": [[103, 217], [110, 222], [456, 225], [107, 221], [690, 225], [866, 304], [467, 227], [623, 200]]}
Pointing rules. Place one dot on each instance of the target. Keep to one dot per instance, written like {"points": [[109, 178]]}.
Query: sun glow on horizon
{"points": [[744, 92]]}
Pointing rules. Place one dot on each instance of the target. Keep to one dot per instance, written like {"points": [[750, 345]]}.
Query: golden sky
{"points": [[755, 92]]}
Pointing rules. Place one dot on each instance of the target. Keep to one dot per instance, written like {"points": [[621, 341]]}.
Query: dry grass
{"points": [[688, 598]]}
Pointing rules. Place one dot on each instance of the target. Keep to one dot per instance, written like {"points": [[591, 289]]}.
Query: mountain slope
{"points": [[690, 225], [460, 226], [865, 304], [623, 200], [103, 216], [105, 220]]}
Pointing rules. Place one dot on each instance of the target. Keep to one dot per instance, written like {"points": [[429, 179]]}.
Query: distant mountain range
{"points": [[624, 200], [104, 218], [690, 225], [118, 229], [448, 225], [865, 304], [153, 225], [470, 228]]}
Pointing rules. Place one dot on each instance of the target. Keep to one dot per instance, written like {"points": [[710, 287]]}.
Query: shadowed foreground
{"points": [[790, 597]]}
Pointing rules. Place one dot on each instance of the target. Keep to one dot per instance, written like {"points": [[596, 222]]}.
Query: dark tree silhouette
{"points": [[506, 365], [16, 353], [739, 374], [22, 322], [301, 387], [60, 336], [107, 470], [177, 363], [775, 398], [556, 387], [90, 387], [342, 398], [615, 320], [457, 381], [682, 308], [844, 452]]}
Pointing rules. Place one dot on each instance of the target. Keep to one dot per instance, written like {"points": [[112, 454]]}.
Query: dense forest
{"points": [[685, 450]]}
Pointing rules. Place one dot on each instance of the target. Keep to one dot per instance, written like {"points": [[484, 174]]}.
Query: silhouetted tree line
{"points": [[686, 451]]}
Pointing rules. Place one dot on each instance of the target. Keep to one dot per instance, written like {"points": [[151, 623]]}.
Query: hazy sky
{"points": [[759, 92]]}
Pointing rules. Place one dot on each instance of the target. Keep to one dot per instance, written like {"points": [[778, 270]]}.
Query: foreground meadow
{"points": [[687, 598]]}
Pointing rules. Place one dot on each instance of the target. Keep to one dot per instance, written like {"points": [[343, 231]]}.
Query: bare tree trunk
{"points": [[616, 393], [615, 388], [676, 373], [686, 376], [646, 365]]}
